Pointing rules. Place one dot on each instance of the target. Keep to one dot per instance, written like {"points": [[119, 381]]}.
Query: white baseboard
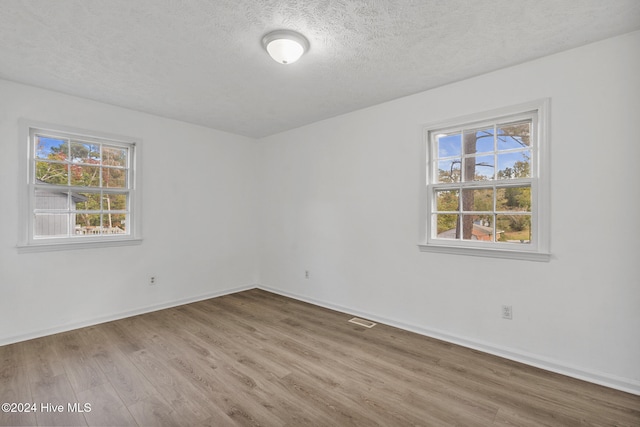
{"points": [[116, 316], [607, 380]]}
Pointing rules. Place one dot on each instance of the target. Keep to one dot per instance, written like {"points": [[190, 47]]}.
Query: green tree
{"points": [[447, 201]]}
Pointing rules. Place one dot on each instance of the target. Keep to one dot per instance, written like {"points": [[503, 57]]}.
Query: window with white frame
{"points": [[486, 189], [81, 189]]}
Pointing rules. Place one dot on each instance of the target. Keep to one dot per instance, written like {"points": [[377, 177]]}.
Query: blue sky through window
{"points": [[449, 145], [46, 146]]}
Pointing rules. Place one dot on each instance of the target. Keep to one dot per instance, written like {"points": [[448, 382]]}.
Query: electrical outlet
{"points": [[152, 280], [307, 274], [507, 312]]}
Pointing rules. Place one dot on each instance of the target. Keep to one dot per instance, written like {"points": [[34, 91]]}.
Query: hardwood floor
{"points": [[255, 358]]}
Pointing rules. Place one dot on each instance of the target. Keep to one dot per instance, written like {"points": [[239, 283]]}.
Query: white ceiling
{"points": [[201, 61]]}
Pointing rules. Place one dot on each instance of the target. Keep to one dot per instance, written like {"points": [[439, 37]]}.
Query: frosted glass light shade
{"points": [[285, 46]]}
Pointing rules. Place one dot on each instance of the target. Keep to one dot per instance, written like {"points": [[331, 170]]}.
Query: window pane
{"points": [[479, 168], [85, 152], [51, 225], [514, 228], [514, 165], [478, 141], [50, 148], [114, 156], [447, 200], [86, 201], [447, 226], [114, 224], [449, 145], [477, 227], [85, 176], [514, 135], [449, 170], [477, 200], [114, 178], [516, 199], [52, 173], [87, 224], [51, 200], [114, 202]]}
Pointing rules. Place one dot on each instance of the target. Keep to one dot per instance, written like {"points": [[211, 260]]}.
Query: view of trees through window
{"points": [[81, 187], [482, 188]]}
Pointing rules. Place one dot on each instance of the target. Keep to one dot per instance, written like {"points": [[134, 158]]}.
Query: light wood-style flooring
{"points": [[255, 358]]}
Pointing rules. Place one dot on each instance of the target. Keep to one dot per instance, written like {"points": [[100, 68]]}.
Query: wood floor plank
{"points": [[256, 358], [121, 335], [106, 407], [82, 371], [222, 375], [507, 417], [577, 397], [53, 395], [233, 391], [183, 396], [151, 411], [14, 388], [41, 359], [130, 384]]}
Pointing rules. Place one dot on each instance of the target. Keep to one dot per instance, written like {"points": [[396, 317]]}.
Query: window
{"points": [[486, 189], [80, 189]]}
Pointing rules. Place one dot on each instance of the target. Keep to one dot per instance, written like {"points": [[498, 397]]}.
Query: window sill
{"points": [[488, 253], [70, 246]]}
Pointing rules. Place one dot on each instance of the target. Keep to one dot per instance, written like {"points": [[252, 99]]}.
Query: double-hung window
{"points": [[80, 189], [486, 188]]}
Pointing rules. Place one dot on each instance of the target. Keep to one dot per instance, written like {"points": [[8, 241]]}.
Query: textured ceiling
{"points": [[201, 61]]}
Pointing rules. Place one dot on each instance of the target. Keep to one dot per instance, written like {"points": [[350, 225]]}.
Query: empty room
{"points": [[323, 213]]}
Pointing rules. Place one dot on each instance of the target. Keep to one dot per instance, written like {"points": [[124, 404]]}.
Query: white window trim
{"points": [[26, 242], [540, 190]]}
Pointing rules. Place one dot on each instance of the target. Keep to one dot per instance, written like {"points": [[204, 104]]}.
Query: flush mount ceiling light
{"points": [[285, 46]]}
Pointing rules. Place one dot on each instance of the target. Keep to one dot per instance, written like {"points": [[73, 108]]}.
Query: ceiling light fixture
{"points": [[285, 46]]}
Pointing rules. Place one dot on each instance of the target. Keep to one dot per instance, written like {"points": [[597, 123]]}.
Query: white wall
{"points": [[342, 202], [198, 229]]}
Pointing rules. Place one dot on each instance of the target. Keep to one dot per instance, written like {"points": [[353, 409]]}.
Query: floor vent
{"points": [[362, 322]]}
